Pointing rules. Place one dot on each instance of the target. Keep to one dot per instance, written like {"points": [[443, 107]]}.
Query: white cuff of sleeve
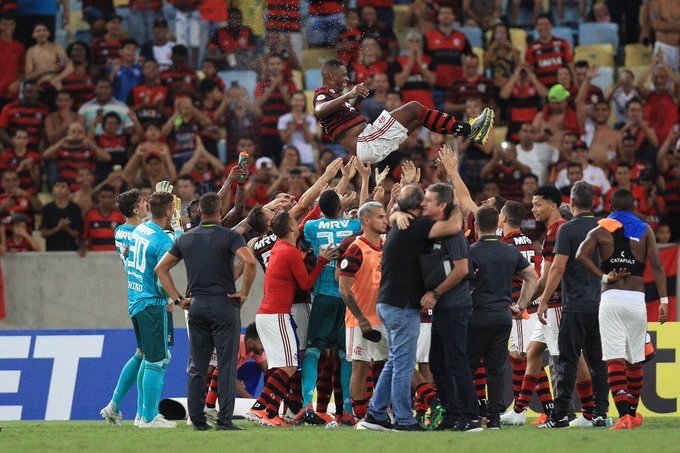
{"points": [[605, 278], [664, 300]]}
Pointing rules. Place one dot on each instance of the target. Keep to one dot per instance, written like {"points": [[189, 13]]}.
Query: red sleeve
{"points": [[4, 160], [4, 117], [568, 56], [314, 214], [529, 57], [86, 225], [351, 261], [259, 89], [297, 266]]}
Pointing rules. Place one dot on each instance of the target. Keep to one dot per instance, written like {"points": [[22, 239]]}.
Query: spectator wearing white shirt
{"points": [[298, 128], [103, 102], [537, 156], [593, 175]]}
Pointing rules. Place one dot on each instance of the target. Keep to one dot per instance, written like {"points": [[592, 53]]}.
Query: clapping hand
{"points": [[380, 176], [409, 173]]}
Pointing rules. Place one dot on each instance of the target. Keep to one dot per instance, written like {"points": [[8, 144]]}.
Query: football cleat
{"points": [[552, 423], [514, 418], [581, 422], [325, 416], [540, 419], [274, 421], [210, 416], [625, 422], [255, 415], [112, 416], [158, 422], [481, 126], [638, 420], [347, 420]]}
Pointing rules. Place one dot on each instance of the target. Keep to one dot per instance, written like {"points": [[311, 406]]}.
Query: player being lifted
{"points": [[373, 142]]}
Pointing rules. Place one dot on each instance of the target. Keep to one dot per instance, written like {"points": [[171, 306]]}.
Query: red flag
{"points": [[669, 261]]}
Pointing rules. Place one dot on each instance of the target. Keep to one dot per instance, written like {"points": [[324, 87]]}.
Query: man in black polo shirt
{"points": [[401, 289], [214, 308], [579, 328], [495, 264]]}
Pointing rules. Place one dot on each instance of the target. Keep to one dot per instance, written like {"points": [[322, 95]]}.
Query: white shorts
{"points": [[521, 333], [300, 315], [359, 348], [623, 325], [278, 339], [547, 334], [424, 341], [381, 138], [188, 28], [671, 54]]}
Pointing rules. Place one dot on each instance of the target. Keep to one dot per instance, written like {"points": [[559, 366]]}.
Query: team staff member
{"points": [[286, 274], [399, 309], [625, 242], [496, 264], [359, 281], [214, 308], [147, 305], [579, 329]]}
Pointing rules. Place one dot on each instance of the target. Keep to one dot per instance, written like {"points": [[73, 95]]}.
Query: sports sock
{"points": [[310, 366], [265, 398], [276, 386], [359, 407], [426, 392], [529, 383], [153, 385], [519, 366], [344, 395], [294, 396], [140, 389], [211, 397], [616, 378], [585, 394], [543, 392], [480, 387], [376, 369], [127, 378], [442, 122], [369, 384], [634, 378]]}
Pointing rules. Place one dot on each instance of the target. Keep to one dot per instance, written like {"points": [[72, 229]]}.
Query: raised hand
{"points": [[380, 176], [363, 169], [349, 170], [409, 173], [346, 200]]}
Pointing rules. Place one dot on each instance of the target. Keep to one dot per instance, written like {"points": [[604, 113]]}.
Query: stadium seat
{"points": [[599, 33], [474, 35], [400, 17], [313, 78], [499, 134], [309, 97], [246, 79], [638, 55], [565, 33], [315, 57], [518, 38], [595, 54], [604, 78], [298, 79]]}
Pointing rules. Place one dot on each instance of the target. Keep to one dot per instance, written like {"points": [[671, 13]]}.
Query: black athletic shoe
{"points": [[493, 425], [469, 426], [413, 427], [552, 423], [602, 422], [370, 422], [228, 427], [201, 427], [311, 418]]}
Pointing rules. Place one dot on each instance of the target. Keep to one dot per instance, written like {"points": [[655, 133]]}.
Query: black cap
{"points": [[160, 23], [113, 17]]}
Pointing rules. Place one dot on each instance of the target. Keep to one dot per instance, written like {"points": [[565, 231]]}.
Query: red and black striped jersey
{"points": [[8, 6], [179, 81], [31, 118], [145, 5], [359, 72], [548, 253], [526, 248], [447, 53], [98, 229], [16, 244], [273, 107], [349, 41], [339, 121], [70, 158], [105, 50], [9, 160], [325, 7], [81, 88], [283, 16], [547, 58], [463, 89], [228, 39], [19, 205], [113, 144], [672, 192], [523, 105], [416, 87]]}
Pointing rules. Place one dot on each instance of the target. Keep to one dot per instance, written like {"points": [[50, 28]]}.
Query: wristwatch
{"points": [[436, 295]]}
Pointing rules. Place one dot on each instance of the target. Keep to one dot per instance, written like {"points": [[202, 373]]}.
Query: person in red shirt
{"points": [[471, 85], [149, 100], [234, 43], [349, 40], [413, 74], [507, 171], [26, 113], [368, 63], [180, 79], [371, 27], [548, 53], [286, 274], [100, 222], [15, 200], [12, 57], [622, 181], [80, 83], [19, 239], [661, 103], [524, 94], [446, 46], [653, 205], [26, 163], [106, 48]]}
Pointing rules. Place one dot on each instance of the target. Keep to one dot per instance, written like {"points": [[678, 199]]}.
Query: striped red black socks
{"points": [[616, 371], [519, 367], [634, 377], [276, 386], [585, 394], [442, 122], [211, 397], [543, 392]]}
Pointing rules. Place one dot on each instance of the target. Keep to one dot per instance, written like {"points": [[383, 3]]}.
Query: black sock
{"points": [[463, 129]]}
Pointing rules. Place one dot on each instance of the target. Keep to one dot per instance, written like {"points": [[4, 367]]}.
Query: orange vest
{"points": [[366, 284]]}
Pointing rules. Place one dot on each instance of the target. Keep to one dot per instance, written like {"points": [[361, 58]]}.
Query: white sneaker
{"points": [[210, 416], [189, 422], [110, 415], [581, 422], [158, 422], [513, 418], [289, 416], [138, 421]]}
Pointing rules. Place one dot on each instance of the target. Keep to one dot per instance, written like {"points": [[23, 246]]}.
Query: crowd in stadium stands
{"points": [[177, 89]]}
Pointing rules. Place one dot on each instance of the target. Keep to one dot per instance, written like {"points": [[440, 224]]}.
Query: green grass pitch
{"points": [[656, 435]]}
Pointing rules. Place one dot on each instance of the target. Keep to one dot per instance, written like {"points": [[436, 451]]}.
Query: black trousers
{"points": [[490, 343], [631, 9], [449, 364], [580, 332], [212, 324]]}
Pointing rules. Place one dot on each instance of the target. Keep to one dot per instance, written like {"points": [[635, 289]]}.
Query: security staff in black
{"points": [[495, 264], [208, 251], [625, 242]]}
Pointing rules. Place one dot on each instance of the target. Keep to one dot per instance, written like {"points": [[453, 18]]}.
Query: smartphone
{"points": [[117, 168], [234, 84]]}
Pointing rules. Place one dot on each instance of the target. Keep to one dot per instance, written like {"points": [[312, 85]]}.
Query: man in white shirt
{"points": [[103, 102], [537, 156]]}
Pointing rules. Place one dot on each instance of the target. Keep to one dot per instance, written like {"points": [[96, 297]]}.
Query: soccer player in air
{"points": [[133, 207], [625, 243], [286, 274], [373, 142], [359, 282], [148, 305]]}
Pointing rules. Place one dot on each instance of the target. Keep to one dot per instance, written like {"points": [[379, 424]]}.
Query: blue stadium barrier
{"points": [[599, 33], [245, 79]]}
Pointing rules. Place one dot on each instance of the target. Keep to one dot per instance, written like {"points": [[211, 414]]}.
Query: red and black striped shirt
{"points": [[526, 248], [547, 58], [548, 254], [98, 229], [672, 192], [447, 53], [179, 81], [9, 160], [104, 50], [229, 39], [274, 107], [463, 89], [325, 7], [71, 158], [339, 121], [20, 205], [81, 88], [283, 16], [31, 118], [523, 105]]}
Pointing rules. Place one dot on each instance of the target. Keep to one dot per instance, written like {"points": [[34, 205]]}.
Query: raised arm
{"points": [[326, 108], [307, 199]]}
